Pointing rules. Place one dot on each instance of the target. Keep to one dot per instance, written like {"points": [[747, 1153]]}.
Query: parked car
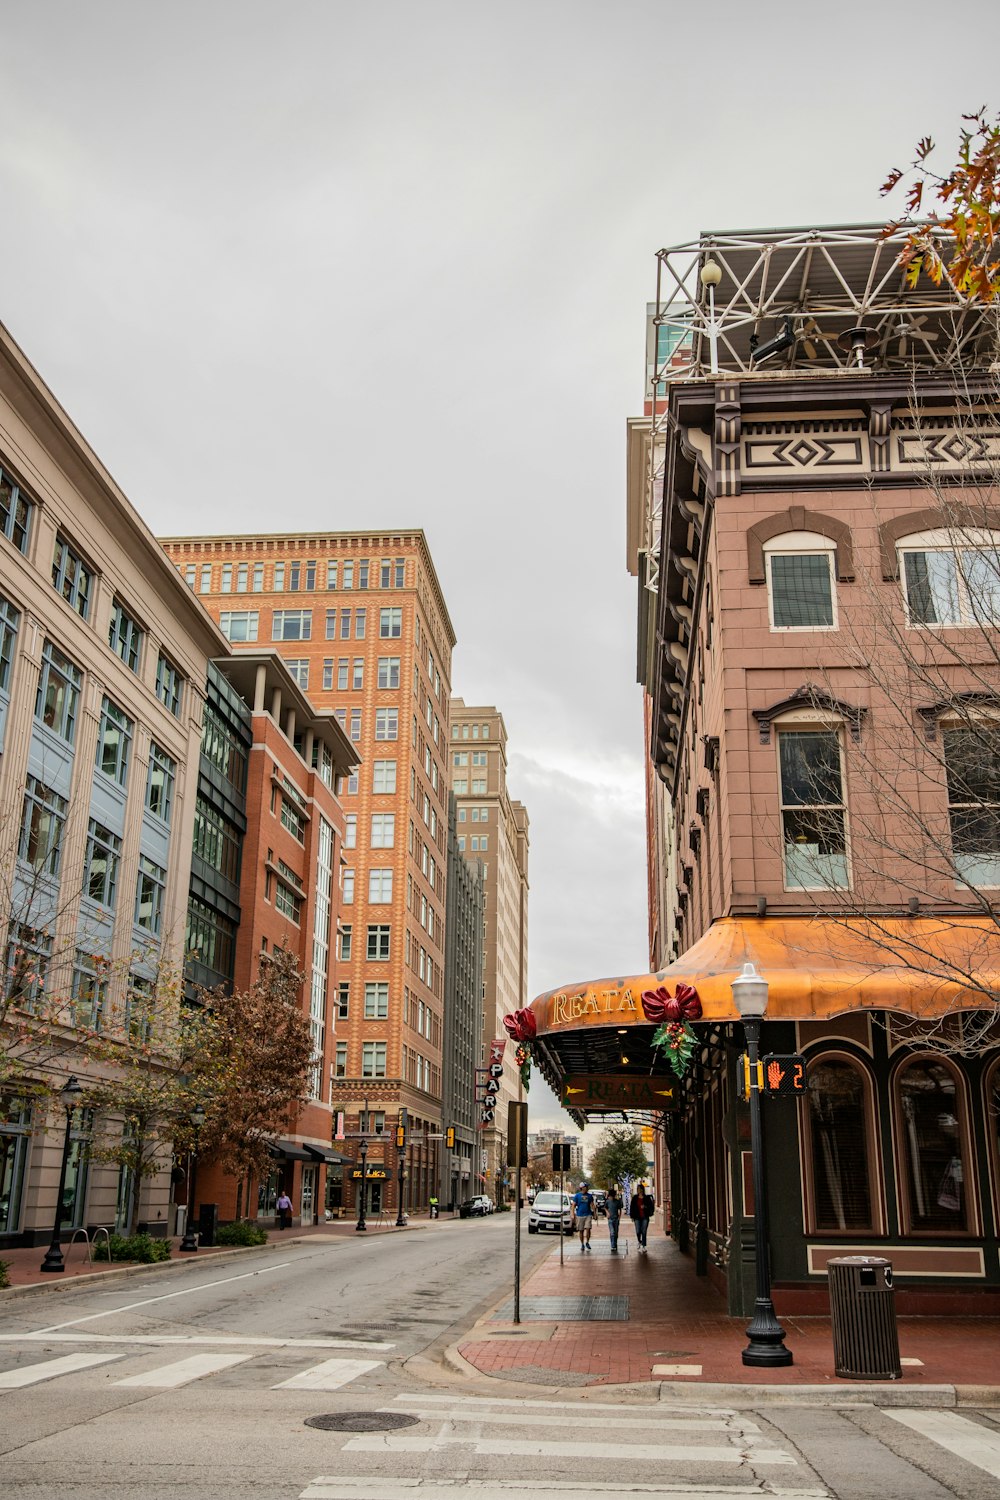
{"points": [[488, 1205], [475, 1208], [552, 1211], [600, 1200]]}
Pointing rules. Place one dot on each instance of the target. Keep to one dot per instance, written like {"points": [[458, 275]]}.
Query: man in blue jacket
{"points": [[583, 1206]]}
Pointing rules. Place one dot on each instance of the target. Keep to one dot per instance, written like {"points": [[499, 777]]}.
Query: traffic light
{"points": [[449, 1138]]}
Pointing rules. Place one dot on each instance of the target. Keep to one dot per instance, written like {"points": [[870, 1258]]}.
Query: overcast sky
{"points": [[337, 265]]}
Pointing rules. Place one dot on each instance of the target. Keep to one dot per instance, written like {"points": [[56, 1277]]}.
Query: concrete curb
{"points": [[126, 1273]]}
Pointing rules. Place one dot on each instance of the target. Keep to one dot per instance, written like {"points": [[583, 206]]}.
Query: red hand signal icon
{"points": [[775, 1073]]}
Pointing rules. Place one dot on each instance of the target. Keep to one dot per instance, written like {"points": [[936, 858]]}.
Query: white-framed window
{"points": [[376, 1000], [383, 830], [347, 887], [388, 671], [373, 1059], [800, 581], [340, 1062], [951, 578], [386, 723], [205, 579], [125, 636], [100, 877], [16, 511], [384, 776], [460, 786], [169, 684], [114, 742], [380, 886], [813, 808], [972, 765], [299, 669], [239, 624], [72, 578], [378, 942], [150, 888], [390, 623], [351, 831], [58, 696], [160, 783], [291, 625]]}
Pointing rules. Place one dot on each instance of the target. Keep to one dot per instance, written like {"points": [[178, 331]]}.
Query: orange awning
{"points": [[816, 967]]}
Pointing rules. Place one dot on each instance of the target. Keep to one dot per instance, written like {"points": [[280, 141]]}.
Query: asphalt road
{"points": [[201, 1383]]}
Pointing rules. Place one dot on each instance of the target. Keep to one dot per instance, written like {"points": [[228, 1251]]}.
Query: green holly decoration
{"points": [[677, 1041]]}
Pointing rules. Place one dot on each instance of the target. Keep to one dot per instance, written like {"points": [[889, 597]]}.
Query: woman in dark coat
{"points": [[641, 1211]]}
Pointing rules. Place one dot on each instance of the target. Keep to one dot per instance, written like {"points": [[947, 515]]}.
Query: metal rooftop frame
{"points": [[826, 281], [801, 289]]}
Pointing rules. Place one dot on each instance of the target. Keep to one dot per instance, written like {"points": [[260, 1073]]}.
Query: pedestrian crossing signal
{"points": [[784, 1073], [449, 1138]]}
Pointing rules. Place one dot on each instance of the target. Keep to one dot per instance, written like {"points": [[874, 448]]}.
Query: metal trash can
{"points": [[208, 1224], [863, 1309]]}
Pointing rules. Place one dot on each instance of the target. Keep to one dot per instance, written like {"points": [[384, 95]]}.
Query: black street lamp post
{"points": [[69, 1096], [190, 1240], [401, 1179], [766, 1335], [363, 1152]]}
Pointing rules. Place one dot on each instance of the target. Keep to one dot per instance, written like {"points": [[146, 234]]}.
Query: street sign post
{"points": [[517, 1157], [560, 1164]]}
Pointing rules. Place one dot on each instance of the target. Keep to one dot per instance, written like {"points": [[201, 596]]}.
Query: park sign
{"points": [[616, 1091]]}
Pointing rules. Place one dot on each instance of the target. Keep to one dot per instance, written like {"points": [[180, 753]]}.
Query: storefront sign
{"points": [[619, 1091], [487, 1101], [373, 1174]]}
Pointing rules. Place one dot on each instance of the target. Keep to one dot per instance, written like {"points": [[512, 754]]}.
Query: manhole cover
{"points": [[361, 1421]]}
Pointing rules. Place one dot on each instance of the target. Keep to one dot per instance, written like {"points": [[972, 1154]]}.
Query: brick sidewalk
{"points": [[678, 1330]]}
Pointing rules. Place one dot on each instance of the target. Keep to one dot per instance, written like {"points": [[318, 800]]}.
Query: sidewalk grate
{"points": [[567, 1310]]}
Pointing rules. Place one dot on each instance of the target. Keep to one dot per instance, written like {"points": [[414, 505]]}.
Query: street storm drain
{"points": [[361, 1421]]}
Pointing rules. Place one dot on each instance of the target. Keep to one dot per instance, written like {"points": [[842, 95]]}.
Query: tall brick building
{"points": [[492, 830], [361, 622]]}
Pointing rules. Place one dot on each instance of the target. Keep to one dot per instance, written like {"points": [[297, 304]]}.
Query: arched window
{"points": [[841, 1179], [801, 568], [951, 577], [933, 1151]]}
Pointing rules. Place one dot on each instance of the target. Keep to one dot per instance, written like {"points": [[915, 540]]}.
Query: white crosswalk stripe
{"points": [[683, 1451], [49, 1369], [978, 1445], [328, 1376], [169, 1377], [363, 1487]]}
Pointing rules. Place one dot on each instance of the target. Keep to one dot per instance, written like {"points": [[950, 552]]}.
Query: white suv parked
{"points": [[547, 1213]]}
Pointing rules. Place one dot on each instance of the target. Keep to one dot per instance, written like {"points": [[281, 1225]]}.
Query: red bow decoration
{"points": [[659, 1006], [522, 1026]]}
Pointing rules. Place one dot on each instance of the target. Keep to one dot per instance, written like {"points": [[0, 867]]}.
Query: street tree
{"points": [[619, 1154], [266, 1060], [158, 1060], [958, 240]]}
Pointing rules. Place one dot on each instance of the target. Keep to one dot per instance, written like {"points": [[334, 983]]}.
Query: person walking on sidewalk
{"points": [[583, 1206], [641, 1211], [284, 1207], [613, 1209]]}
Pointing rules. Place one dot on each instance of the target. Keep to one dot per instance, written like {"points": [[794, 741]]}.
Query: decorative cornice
{"points": [[932, 714], [797, 518], [809, 696]]}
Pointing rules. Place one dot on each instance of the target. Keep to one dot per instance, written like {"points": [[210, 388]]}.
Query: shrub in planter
{"points": [[135, 1247], [4, 1268], [241, 1234]]}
